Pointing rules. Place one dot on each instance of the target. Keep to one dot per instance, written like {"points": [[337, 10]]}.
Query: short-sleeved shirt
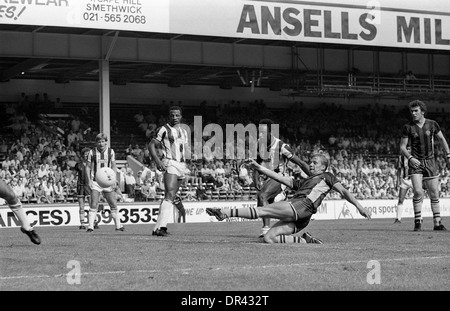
{"points": [[82, 179], [421, 139], [173, 141], [99, 159], [314, 188]]}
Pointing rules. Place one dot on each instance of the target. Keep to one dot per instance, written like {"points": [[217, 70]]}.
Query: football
{"points": [[105, 177]]}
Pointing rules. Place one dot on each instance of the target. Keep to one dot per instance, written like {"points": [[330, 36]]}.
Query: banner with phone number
{"points": [[400, 23], [130, 213], [147, 213]]}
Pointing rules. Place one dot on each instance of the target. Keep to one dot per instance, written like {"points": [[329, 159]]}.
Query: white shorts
{"points": [[96, 186], [406, 183], [176, 168]]}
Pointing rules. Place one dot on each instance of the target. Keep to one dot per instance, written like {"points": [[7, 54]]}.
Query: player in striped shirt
{"points": [[100, 156], [172, 139], [420, 133], [294, 214], [404, 183], [275, 158]]}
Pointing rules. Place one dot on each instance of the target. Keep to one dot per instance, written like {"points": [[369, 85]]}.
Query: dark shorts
{"points": [[428, 168], [83, 190], [271, 188], [303, 213]]}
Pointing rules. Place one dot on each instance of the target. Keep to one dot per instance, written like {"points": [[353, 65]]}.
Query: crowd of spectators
{"points": [[362, 145]]}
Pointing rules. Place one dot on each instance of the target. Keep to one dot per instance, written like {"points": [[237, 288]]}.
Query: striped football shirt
{"points": [[173, 141], [421, 138], [99, 159]]}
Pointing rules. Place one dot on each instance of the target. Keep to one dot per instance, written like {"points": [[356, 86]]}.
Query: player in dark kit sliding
{"points": [[294, 214], [420, 133]]}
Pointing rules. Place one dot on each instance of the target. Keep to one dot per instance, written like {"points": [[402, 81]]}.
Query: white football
{"points": [[106, 177]]}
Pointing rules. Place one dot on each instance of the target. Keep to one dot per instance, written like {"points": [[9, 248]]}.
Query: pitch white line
{"points": [[252, 267]]}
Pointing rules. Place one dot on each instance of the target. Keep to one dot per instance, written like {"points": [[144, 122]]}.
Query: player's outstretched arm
{"points": [[285, 180], [351, 198], [303, 165]]}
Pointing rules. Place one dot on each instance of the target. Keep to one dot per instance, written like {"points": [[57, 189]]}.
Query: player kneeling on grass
{"points": [[294, 214]]}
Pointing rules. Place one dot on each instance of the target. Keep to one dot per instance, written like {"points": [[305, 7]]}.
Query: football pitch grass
{"points": [[367, 255]]}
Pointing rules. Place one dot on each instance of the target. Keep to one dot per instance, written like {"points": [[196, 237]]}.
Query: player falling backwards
{"points": [[294, 214]]}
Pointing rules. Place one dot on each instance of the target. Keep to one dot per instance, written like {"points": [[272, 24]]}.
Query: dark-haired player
{"points": [[420, 133], [173, 140]]}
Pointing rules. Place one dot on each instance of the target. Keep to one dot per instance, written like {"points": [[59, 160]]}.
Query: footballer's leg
{"points": [[433, 191], [417, 200], [111, 198], [93, 205], [16, 206], [270, 189]]}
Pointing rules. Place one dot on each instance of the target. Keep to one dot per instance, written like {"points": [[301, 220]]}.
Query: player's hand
{"points": [[365, 212], [250, 163], [414, 162], [161, 167]]}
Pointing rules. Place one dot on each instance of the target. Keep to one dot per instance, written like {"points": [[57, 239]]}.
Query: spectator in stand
{"points": [[129, 150], [59, 192], [40, 194], [29, 192], [139, 117], [130, 183], [71, 137], [244, 177], [115, 127], [48, 190]]}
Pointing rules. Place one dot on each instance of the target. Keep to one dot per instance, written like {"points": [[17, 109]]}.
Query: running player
{"points": [[294, 214], [173, 140], [101, 156], [420, 133], [16, 206]]}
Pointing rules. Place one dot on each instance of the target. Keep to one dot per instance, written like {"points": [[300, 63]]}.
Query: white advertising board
{"points": [[401, 23], [147, 213]]}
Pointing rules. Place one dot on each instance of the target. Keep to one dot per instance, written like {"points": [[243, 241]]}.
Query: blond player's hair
{"points": [[101, 136]]}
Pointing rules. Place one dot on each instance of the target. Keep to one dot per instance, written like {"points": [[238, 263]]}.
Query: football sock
{"points": [[92, 216], [417, 205], [21, 215], [289, 239], [248, 212], [81, 216], [115, 217], [399, 211], [165, 209], [435, 208]]}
